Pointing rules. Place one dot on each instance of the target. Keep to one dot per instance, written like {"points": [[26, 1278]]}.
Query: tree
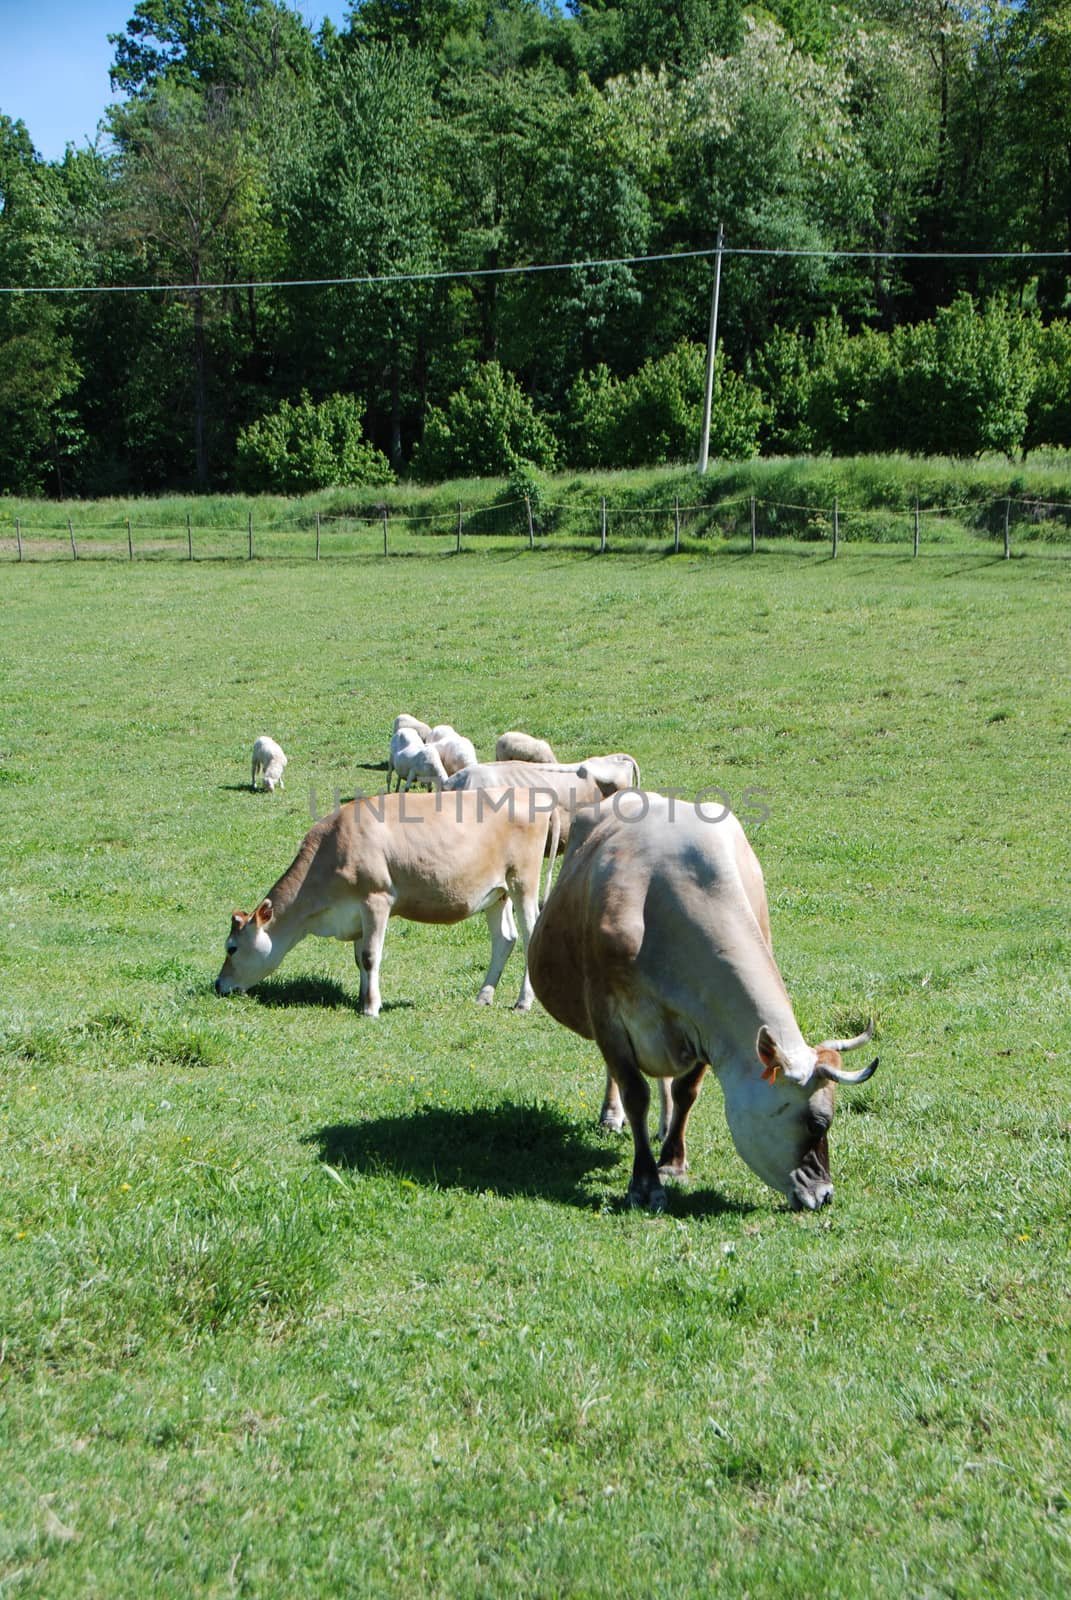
{"points": [[233, 44], [358, 206], [190, 192], [40, 245]]}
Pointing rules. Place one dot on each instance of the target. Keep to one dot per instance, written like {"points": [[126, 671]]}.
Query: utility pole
{"points": [[712, 342]]}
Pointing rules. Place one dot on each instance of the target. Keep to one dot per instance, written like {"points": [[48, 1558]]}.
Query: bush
{"points": [[1049, 411], [655, 416], [853, 391], [486, 428], [966, 380], [525, 483], [298, 448]]}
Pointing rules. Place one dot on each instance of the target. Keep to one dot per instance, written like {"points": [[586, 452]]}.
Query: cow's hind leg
{"points": [[673, 1162], [645, 1187], [525, 900], [368, 951], [503, 938], [612, 1113]]}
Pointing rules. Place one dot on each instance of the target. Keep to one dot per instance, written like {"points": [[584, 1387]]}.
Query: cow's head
{"points": [[610, 774], [779, 1117], [250, 955]]}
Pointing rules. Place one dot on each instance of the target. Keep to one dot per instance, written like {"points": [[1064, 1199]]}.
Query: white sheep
{"points": [[522, 747], [269, 759], [404, 720], [413, 761], [455, 751]]}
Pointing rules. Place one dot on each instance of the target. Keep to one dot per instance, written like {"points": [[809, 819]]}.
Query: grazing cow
{"points": [[426, 857], [453, 749], [572, 784], [655, 943], [404, 720], [515, 746], [269, 760], [412, 761]]}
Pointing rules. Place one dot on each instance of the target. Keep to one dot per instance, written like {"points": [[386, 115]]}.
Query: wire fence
{"points": [[1019, 523]]}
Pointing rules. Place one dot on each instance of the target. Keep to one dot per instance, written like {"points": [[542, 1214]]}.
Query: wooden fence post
{"points": [[676, 524], [18, 536], [74, 547], [531, 525], [250, 536], [752, 524], [384, 530], [836, 526], [915, 549], [129, 541], [317, 536], [602, 536], [1007, 530], [189, 539], [459, 514]]}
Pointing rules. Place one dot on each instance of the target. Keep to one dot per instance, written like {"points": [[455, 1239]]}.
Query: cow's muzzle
{"points": [[812, 1186]]}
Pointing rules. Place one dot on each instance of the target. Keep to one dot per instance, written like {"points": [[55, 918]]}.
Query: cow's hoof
{"points": [[652, 1199], [673, 1171], [485, 996], [522, 1005], [614, 1120]]}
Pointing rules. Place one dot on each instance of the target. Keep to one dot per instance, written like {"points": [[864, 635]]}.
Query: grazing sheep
{"points": [[413, 761], [522, 747], [455, 750], [404, 720], [268, 758]]}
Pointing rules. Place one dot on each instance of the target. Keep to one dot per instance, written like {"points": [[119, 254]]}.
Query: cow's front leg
{"points": [[503, 938], [368, 949], [612, 1113], [645, 1187], [673, 1162]]}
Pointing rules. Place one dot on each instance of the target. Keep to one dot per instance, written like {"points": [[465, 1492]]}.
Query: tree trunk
{"points": [[395, 411]]}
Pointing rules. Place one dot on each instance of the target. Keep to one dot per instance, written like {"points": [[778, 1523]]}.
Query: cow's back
{"points": [[649, 895]]}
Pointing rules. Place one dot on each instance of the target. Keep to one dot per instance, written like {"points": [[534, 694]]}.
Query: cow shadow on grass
{"points": [[326, 993], [508, 1149]]}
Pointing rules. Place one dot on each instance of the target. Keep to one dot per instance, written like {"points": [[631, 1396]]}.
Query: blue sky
{"points": [[54, 60]]}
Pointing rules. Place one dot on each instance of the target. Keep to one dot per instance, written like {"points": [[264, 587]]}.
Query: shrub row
{"points": [[971, 381]]}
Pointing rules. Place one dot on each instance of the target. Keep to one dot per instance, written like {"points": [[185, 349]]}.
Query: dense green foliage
{"points": [[309, 446], [435, 147], [297, 1305], [488, 425]]}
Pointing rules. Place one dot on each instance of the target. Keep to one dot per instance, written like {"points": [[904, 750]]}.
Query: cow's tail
{"points": [[555, 841]]}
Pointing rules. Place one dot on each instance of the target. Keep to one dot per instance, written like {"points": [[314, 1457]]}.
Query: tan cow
{"points": [[567, 786], [427, 857], [655, 943], [517, 746]]}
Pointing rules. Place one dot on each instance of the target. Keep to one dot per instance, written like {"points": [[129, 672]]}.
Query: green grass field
{"points": [[295, 1303]]}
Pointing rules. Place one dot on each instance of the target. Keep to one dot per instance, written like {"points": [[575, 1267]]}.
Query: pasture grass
{"points": [[297, 1303]]}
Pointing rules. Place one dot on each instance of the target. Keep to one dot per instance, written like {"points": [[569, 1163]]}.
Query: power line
{"points": [[550, 266]]}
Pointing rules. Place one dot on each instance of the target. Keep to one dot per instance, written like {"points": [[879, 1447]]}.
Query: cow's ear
{"points": [[263, 913], [238, 921], [770, 1054]]}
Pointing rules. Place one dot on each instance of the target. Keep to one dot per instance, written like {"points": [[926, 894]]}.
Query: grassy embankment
{"points": [[295, 1303], [959, 500]]}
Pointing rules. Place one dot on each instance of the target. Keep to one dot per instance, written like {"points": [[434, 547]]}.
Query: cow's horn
{"points": [[838, 1074], [840, 1045]]}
